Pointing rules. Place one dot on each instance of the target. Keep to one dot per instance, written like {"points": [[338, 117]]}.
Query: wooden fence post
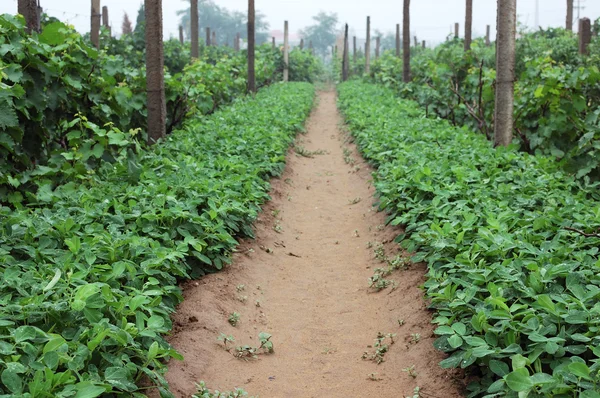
{"points": [[155, 83], [505, 67], [301, 44], [237, 42], [456, 30], [345, 58], [95, 23], [251, 71], [195, 30], [377, 47], [311, 48], [424, 44], [274, 45], [406, 42], [585, 35], [368, 48], [29, 10], [487, 36], [468, 24], [181, 40], [286, 54], [569, 22], [207, 37], [398, 40], [416, 41], [213, 42]]}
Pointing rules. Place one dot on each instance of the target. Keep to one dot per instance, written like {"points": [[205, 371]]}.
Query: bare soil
{"points": [[305, 280]]}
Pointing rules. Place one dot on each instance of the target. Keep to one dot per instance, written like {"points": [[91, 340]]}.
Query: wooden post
{"points": [[398, 40], [301, 44], [377, 47], [406, 42], [345, 58], [416, 41], [311, 48], [207, 37], [195, 30], [585, 35], [456, 30], [424, 44], [237, 42], [354, 52], [181, 40], [286, 54], [487, 36], [368, 48], [29, 10], [95, 23], [569, 24], [468, 24], [505, 76], [105, 22], [274, 45], [155, 83], [251, 23], [213, 42]]}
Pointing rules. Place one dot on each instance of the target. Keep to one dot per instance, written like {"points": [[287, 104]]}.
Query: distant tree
{"points": [[323, 34], [140, 22], [226, 24], [126, 28]]}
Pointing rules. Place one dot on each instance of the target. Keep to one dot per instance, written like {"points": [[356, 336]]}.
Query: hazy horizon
{"points": [[431, 20]]}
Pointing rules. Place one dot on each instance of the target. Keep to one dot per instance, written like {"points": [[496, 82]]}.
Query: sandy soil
{"points": [[305, 280]]}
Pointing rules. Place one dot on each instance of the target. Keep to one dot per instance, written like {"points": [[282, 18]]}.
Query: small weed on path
{"points": [[381, 347], [302, 151], [246, 351], [204, 392]]}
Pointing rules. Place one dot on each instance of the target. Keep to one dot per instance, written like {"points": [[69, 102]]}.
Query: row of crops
{"points": [[557, 95], [513, 271], [96, 227]]}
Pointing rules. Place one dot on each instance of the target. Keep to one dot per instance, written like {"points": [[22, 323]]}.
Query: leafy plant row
{"points": [[557, 99], [65, 107], [509, 239], [87, 282]]}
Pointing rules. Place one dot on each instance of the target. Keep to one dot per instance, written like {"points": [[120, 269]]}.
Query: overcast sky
{"points": [[431, 20]]}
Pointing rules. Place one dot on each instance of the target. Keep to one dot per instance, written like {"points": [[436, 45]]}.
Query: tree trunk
{"points": [[456, 30], [487, 36], [181, 39], [377, 47], [585, 35], [286, 54], [345, 58], [29, 10], [155, 83], [398, 40], [195, 31], [95, 23], [251, 76], [569, 25], [368, 48], [406, 42], [468, 24], [505, 75]]}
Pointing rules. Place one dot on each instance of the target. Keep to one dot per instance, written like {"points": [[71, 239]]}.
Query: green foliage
{"points": [[557, 99], [204, 392], [514, 285], [88, 281], [304, 67]]}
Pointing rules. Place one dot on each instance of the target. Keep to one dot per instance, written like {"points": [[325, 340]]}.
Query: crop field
{"points": [[331, 211]]}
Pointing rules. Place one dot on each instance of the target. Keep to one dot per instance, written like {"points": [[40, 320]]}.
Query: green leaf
{"points": [[53, 34], [87, 389], [519, 380], [460, 328], [54, 281], [499, 368], [8, 118], [119, 377], [455, 341], [12, 381], [580, 370]]}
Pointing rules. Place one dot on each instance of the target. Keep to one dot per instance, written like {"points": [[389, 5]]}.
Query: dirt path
{"points": [[305, 281]]}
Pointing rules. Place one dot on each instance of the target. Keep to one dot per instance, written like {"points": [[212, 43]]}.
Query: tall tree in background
{"points": [[195, 32], [468, 24], [505, 71], [126, 27], [225, 23], [155, 79], [323, 33], [569, 25], [406, 42]]}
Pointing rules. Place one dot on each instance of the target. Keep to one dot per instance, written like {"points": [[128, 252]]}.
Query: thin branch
{"points": [[583, 233]]}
